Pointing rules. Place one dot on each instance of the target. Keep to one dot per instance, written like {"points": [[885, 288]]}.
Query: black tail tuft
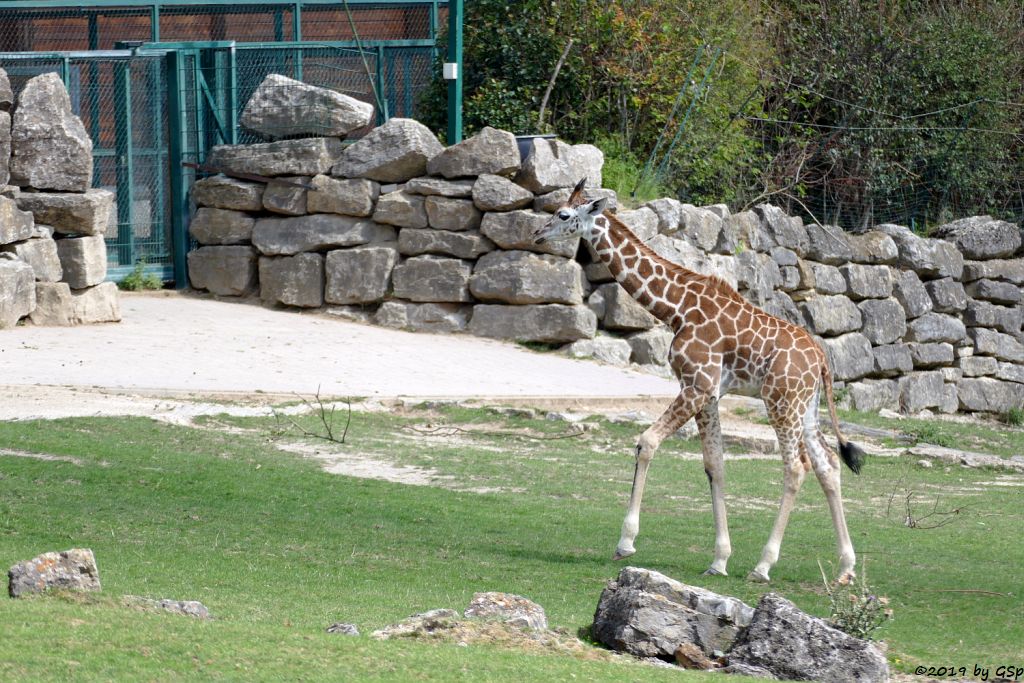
{"points": [[853, 455]]}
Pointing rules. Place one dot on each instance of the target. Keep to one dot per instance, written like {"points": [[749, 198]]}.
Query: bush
{"points": [[139, 279]]}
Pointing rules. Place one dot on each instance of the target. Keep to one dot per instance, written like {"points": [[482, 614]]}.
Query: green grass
{"points": [[278, 549], [1006, 440]]}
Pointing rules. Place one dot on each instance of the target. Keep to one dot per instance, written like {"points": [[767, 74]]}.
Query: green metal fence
{"points": [[152, 101]]}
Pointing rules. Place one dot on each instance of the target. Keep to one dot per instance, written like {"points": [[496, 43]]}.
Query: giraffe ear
{"points": [[597, 207]]}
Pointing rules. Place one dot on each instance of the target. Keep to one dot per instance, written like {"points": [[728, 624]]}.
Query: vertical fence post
{"points": [[124, 154], [455, 84], [176, 146]]}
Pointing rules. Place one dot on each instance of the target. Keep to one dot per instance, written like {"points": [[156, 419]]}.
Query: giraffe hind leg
{"points": [[827, 469], [710, 428]]}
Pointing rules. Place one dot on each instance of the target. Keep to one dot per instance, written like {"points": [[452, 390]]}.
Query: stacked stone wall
{"points": [[398, 231], [53, 258]]}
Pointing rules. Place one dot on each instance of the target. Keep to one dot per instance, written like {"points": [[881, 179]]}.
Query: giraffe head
{"points": [[573, 218]]}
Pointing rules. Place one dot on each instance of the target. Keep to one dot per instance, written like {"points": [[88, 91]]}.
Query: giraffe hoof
{"points": [[758, 577], [711, 571], [622, 554]]}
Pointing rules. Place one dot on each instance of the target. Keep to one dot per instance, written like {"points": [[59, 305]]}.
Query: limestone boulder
{"points": [[522, 277], [50, 148], [611, 350], [849, 356], [872, 395], [908, 289], [53, 305], [996, 291], [360, 275], [742, 231], [16, 225], [70, 213], [642, 222], [873, 248], [683, 253], [867, 282], [429, 278], [831, 315], [552, 164], [1011, 372], [828, 279], [401, 209], [702, 227], [436, 318], [6, 93], [991, 343], [546, 323], [510, 609], [920, 390], [41, 254], [512, 230], [891, 360], [648, 614], [17, 291], [83, 260], [286, 195], [650, 347], [282, 107], [449, 213], [757, 276], [551, 201], [466, 245], [460, 189], [222, 192], [495, 193], [391, 153], [221, 226], [315, 232], [224, 270], [303, 157], [1000, 318], [5, 148], [977, 366], [786, 231], [930, 258], [99, 304], [293, 280], [931, 355], [489, 151], [828, 244], [73, 569], [982, 237], [622, 312], [793, 645], [884, 320], [936, 327], [349, 197], [989, 395], [1010, 270], [669, 212], [948, 295]]}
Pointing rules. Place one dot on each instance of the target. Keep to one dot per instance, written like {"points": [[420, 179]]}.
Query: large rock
{"points": [[73, 569], [551, 201], [828, 244], [293, 280], [41, 254], [468, 245], [892, 360], [757, 276], [53, 305], [910, 292], [449, 213], [282, 107], [551, 164], [867, 282], [390, 153], [849, 356], [669, 212], [744, 230], [794, 645], [622, 311], [828, 279], [306, 157], [787, 231], [460, 189], [703, 227], [883, 320], [874, 248], [286, 196], [224, 271], [989, 395], [437, 318], [603, 348], [872, 395], [355, 197], [1011, 372], [920, 390], [948, 295], [930, 258], [977, 366], [522, 277], [70, 213], [936, 327], [642, 222], [222, 192], [83, 260], [221, 226], [401, 209], [648, 614], [547, 323], [931, 355], [512, 230], [985, 314], [99, 304], [991, 343], [995, 291], [1011, 270], [831, 315], [681, 252], [432, 279], [17, 291], [50, 148], [319, 231], [511, 609], [982, 237], [5, 148], [360, 275], [650, 347], [6, 93], [15, 225], [489, 151]]}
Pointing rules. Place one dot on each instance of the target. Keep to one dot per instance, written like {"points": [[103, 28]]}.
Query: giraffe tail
{"points": [[852, 454]]}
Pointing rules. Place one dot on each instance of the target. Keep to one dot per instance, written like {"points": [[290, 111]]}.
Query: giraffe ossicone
{"points": [[722, 344]]}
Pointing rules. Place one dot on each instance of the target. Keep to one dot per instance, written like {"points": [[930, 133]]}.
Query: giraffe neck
{"points": [[643, 273]]}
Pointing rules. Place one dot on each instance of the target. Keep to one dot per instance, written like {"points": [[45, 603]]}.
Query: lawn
{"points": [[278, 548]]}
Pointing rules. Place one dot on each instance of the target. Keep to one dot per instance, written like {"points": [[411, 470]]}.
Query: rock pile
{"points": [[53, 258], [396, 230]]}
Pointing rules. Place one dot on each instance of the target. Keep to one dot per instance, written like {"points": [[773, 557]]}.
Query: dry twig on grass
{"points": [[931, 520], [325, 415]]}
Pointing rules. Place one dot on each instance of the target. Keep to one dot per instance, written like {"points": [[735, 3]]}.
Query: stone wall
{"points": [[53, 258], [396, 230]]}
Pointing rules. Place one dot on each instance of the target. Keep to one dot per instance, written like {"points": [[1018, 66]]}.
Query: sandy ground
{"points": [[173, 354]]}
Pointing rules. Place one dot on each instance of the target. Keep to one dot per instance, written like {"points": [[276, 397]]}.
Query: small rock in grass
{"points": [[513, 609], [344, 629], [188, 608], [73, 569]]}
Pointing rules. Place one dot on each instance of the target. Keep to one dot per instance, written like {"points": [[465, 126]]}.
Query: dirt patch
{"points": [[41, 456]]}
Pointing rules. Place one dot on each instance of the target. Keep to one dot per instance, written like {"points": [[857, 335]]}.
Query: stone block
{"points": [[50, 148], [1010, 372], [828, 244], [224, 270], [461, 189], [948, 295], [282, 107], [642, 222], [521, 277], [985, 314], [989, 395], [448, 213], [874, 248], [936, 327], [977, 366], [931, 355], [83, 260], [884, 320], [828, 279], [5, 148], [910, 292], [950, 402], [41, 254], [650, 347], [402, 210], [872, 395], [467, 245], [495, 193], [16, 225], [622, 311], [784, 257], [791, 279], [991, 343], [757, 276], [929, 258], [17, 292], [360, 275], [352, 197], [951, 374], [546, 323], [702, 227], [490, 151], [53, 305], [304, 157], [73, 569], [437, 318], [786, 231], [1011, 270], [222, 192], [831, 315], [669, 212], [70, 213], [849, 356], [552, 164], [293, 280], [920, 390], [221, 226], [316, 232], [512, 230], [432, 279], [982, 237], [99, 304], [996, 291], [286, 196], [892, 360], [611, 350], [782, 306], [744, 228], [391, 153], [551, 201], [867, 282]]}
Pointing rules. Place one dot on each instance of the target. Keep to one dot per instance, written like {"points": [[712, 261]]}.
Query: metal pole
{"points": [[455, 80], [125, 163], [176, 144]]}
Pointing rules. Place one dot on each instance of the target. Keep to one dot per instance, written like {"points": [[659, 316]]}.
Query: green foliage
{"points": [[854, 608], [622, 172], [139, 280], [1014, 417]]}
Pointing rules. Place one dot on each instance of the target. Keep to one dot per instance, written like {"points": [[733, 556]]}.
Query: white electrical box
{"points": [[451, 71]]}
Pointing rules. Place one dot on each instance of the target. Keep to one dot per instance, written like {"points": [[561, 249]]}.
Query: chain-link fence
{"points": [[148, 113]]}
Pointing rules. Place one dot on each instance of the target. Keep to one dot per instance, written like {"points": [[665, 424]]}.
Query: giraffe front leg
{"points": [[682, 409]]}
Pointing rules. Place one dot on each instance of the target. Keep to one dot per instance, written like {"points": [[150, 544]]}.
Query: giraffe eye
{"points": [[564, 215]]}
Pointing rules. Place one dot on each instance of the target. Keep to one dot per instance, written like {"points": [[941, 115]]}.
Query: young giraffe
{"points": [[722, 343]]}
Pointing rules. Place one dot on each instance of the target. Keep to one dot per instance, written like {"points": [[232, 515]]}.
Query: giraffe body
{"points": [[722, 344]]}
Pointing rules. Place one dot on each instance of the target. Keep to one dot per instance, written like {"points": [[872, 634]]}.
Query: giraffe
{"points": [[722, 344]]}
